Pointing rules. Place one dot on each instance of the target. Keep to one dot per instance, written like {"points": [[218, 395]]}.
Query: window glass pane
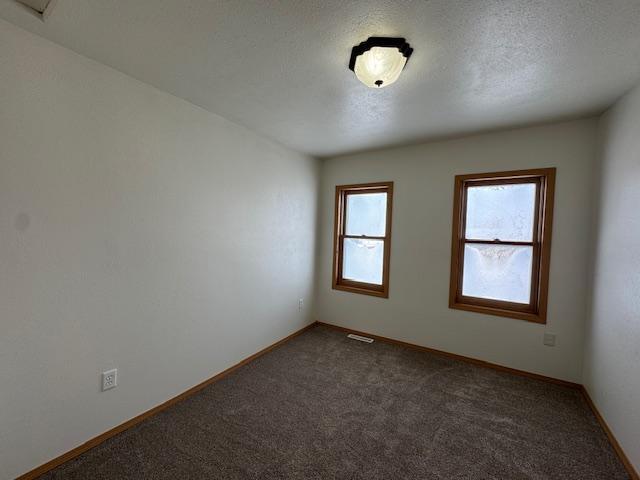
{"points": [[366, 214], [498, 272], [502, 212], [363, 260]]}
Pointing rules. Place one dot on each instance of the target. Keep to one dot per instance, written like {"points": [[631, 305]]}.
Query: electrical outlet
{"points": [[549, 339], [300, 304], [109, 379]]}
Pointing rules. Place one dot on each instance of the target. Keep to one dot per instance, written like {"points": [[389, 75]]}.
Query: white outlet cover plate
{"points": [[109, 379]]}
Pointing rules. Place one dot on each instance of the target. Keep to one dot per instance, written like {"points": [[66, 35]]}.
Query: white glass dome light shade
{"points": [[380, 66], [379, 61]]}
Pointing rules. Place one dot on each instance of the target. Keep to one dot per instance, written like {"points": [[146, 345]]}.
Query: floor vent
{"points": [[359, 338]]}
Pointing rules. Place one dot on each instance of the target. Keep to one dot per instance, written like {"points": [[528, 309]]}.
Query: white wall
{"points": [[417, 308], [137, 231], [612, 347]]}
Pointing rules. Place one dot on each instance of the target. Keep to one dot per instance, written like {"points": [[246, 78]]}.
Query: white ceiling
{"points": [[279, 67]]}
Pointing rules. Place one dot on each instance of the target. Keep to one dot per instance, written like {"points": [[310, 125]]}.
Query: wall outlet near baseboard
{"points": [[549, 339], [300, 304], [109, 379]]}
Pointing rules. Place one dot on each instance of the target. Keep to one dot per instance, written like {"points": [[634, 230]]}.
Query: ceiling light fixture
{"points": [[378, 61]]}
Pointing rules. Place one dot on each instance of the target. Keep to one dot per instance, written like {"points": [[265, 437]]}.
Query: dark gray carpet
{"points": [[326, 407]]}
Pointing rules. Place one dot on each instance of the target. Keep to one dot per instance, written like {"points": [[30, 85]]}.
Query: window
{"points": [[501, 243], [362, 238]]}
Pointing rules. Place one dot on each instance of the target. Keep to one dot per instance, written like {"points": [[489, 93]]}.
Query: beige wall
{"points": [[612, 348], [139, 232], [417, 308]]}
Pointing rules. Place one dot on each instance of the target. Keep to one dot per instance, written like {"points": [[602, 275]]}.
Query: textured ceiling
{"points": [[280, 67]]}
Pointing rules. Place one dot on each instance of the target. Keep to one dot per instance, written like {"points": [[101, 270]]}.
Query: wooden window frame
{"points": [[338, 282], [536, 310]]}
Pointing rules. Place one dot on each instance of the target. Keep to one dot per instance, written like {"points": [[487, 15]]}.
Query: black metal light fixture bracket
{"points": [[389, 42]]}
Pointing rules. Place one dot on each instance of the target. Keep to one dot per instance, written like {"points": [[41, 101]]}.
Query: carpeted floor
{"points": [[325, 407]]}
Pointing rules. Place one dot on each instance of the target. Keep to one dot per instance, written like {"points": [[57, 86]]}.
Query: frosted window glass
{"points": [[366, 214], [363, 260], [502, 212], [498, 272]]}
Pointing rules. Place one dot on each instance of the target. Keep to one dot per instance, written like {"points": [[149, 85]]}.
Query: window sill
{"points": [[362, 291], [500, 312]]}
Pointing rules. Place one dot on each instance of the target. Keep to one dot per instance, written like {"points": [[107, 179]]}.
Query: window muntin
{"points": [[362, 238], [501, 242]]}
